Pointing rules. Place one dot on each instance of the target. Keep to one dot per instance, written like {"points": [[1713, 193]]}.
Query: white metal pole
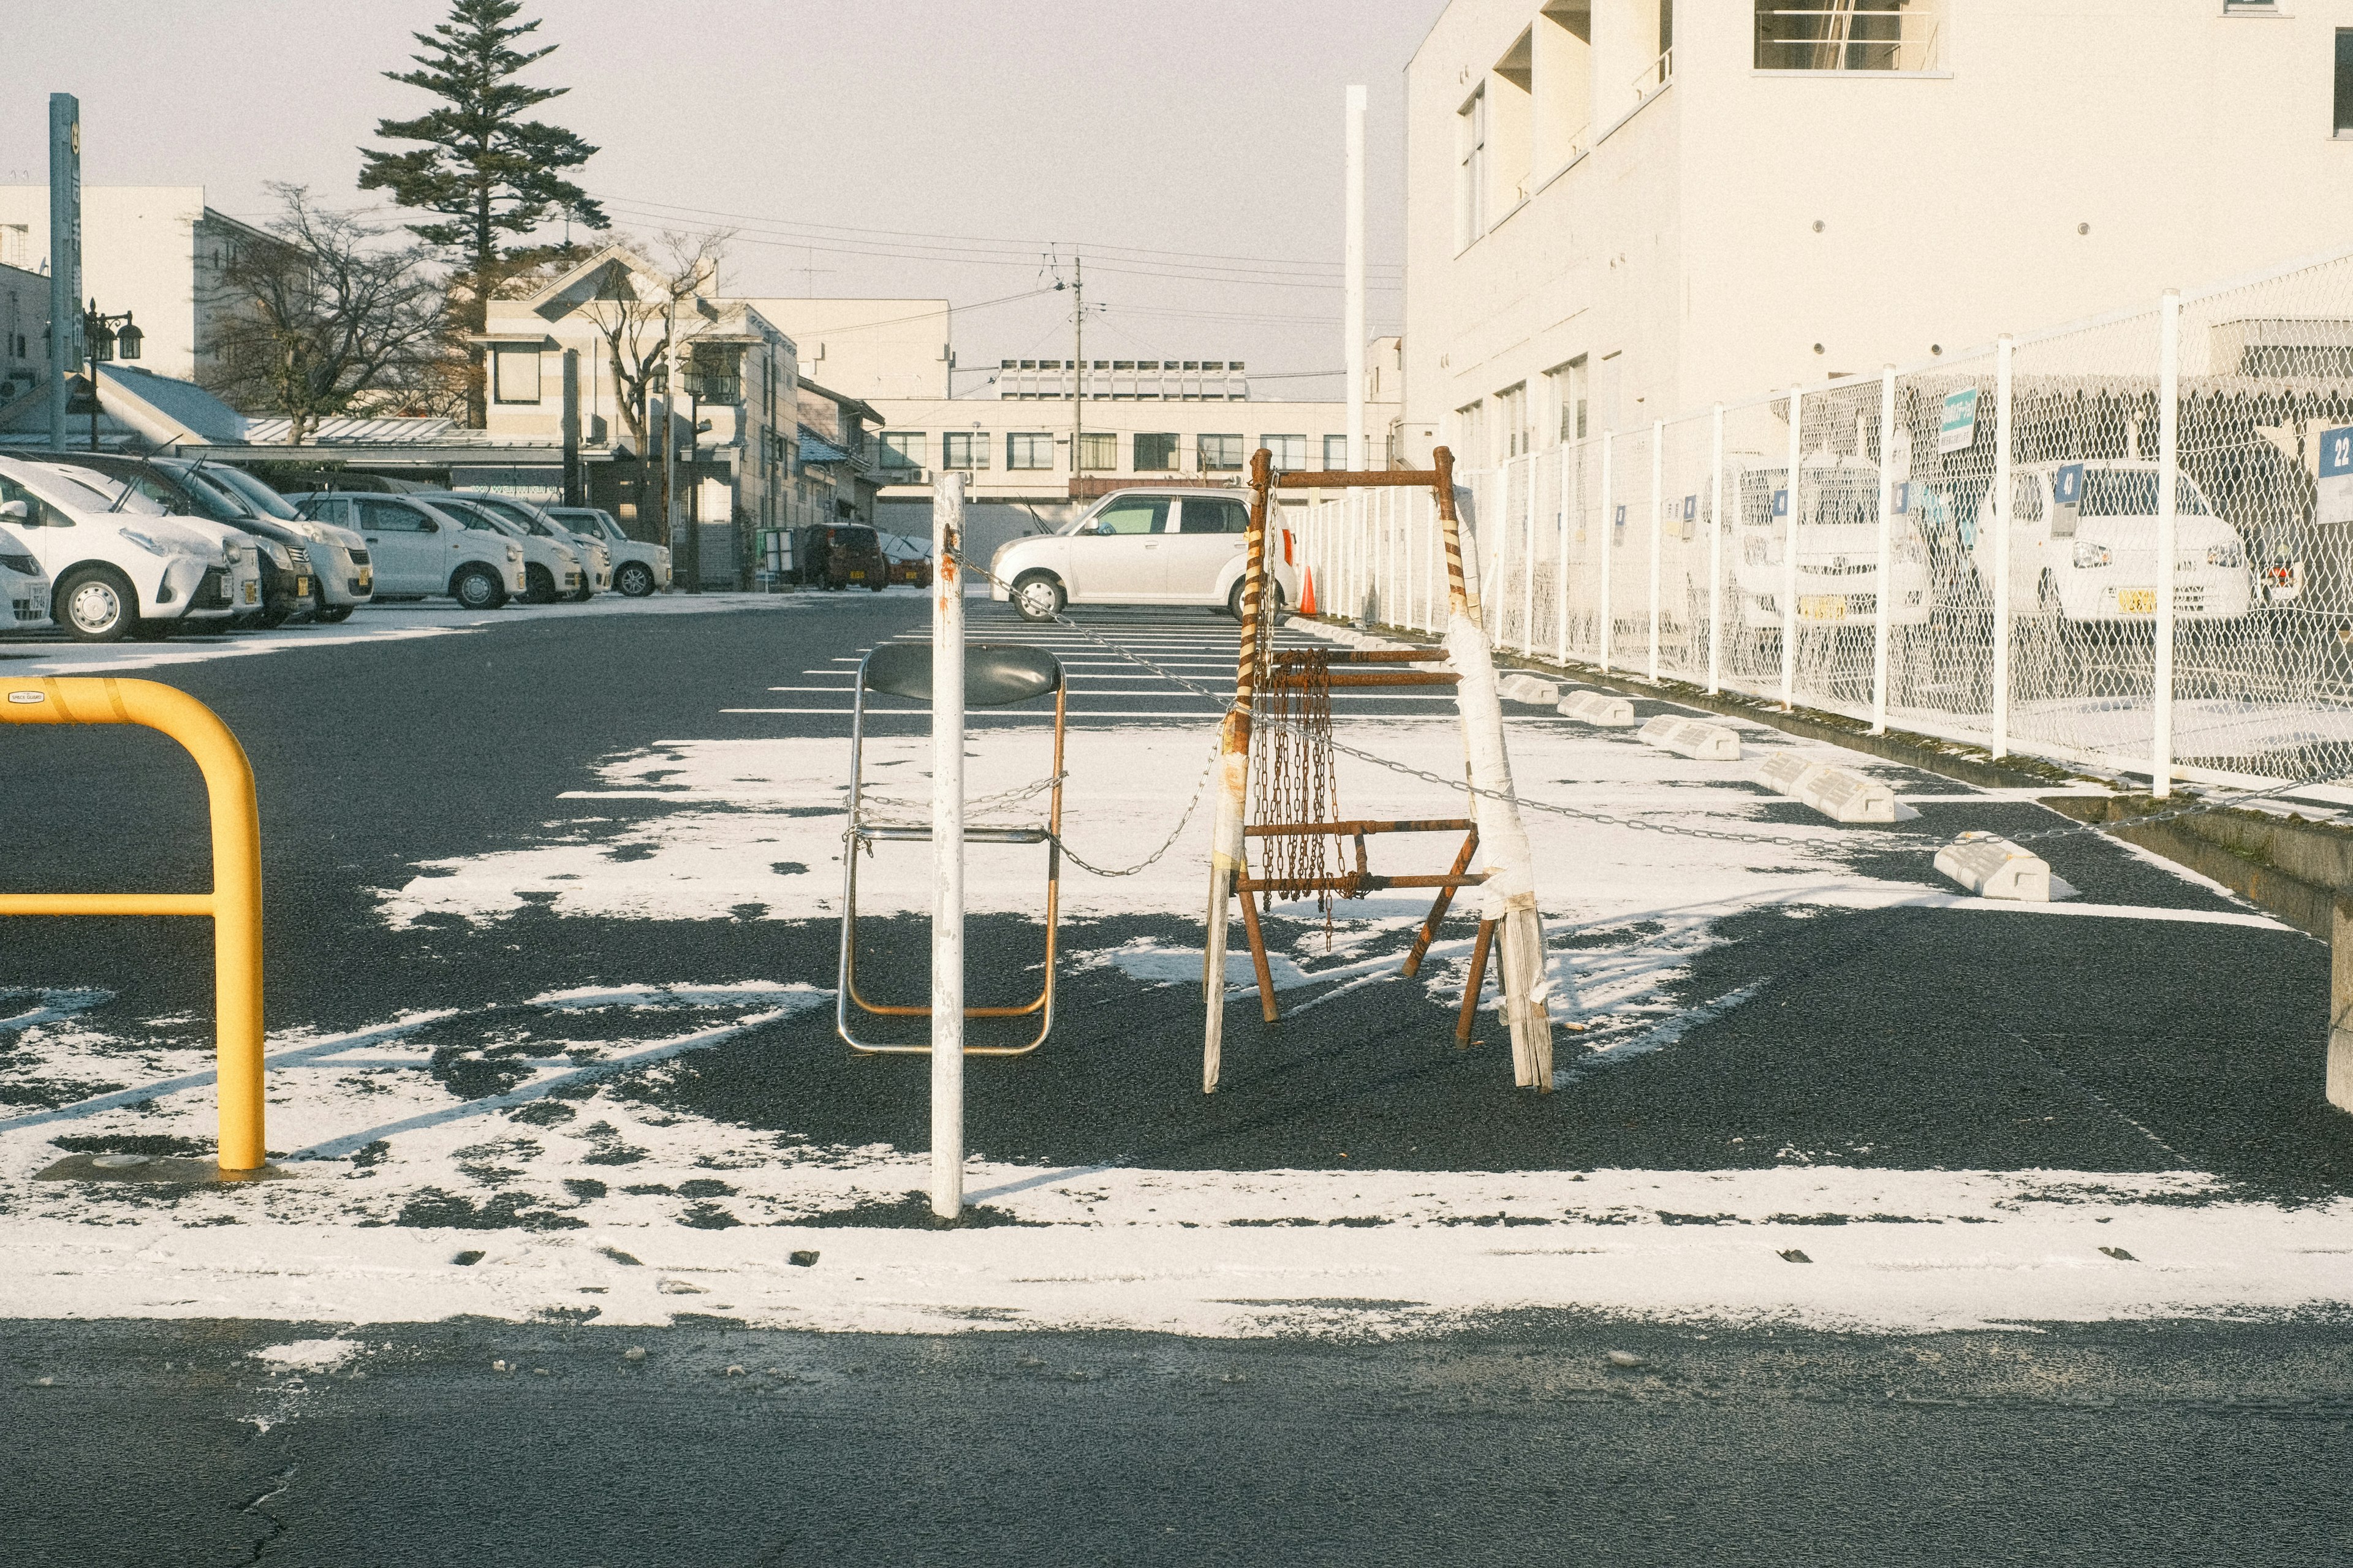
{"points": [[1658, 530], [1560, 583], [1886, 600], [1715, 551], [1609, 527], [1789, 553], [2169, 472], [1529, 567], [947, 850], [1999, 512], [1353, 312]]}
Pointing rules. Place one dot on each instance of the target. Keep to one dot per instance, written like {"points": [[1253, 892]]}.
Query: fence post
{"points": [[1998, 510], [1658, 547], [2168, 472], [1528, 568], [1886, 535], [1715, 552], [1609, 529], [947, 850], [1790, 552], [1560, 582]]}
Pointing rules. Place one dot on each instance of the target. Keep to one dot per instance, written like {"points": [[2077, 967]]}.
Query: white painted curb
{"points": [[1994, 868], [1835, 792], [1522, 687], [1691, 738], [1597, 708]]}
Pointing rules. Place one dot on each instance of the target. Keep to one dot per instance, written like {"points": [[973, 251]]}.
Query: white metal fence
{"points": [[2126, 542]]}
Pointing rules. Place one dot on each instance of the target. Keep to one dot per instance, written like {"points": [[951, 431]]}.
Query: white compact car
{"points": [[343, 578], [24, 586], [595, 561], [2083, 545], [552, 571], [639, 568], [419, 548], [1142, 547], [1837, 548], [114, 562]]}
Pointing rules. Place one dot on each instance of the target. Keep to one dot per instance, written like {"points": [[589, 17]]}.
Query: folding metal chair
{"points": [[994, 677]]}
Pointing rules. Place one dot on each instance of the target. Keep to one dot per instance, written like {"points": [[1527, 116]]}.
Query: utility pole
{"points": [[64, 256], [1352, 312], [1078, 367]]}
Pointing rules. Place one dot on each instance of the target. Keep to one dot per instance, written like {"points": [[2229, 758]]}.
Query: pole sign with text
{"points": [[65, 254], [2336, 476], [2066, 498], [1958, 430]]}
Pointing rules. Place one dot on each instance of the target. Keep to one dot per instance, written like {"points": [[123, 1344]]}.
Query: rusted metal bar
{"points": [[1478, 980], [1357, 827], [1371, 678], [1458, 593], [1368, 479], [1258, 958], [1438, 908], [1367, 884], [1364, 656]]}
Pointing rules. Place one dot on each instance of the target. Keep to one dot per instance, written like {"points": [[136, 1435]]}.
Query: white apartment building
{"points": [[153, 250], [1618, 210], [24, 334], [878, 348]]}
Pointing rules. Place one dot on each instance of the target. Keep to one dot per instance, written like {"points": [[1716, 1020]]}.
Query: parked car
{"points": [[909, 563], [1838, 548], [343, 577], [639, 568], [553, 568], [24, 586], [115, 562], [2095, 560], [841, 556], [422, 548], [595, 561], [179, 487], [1142, 546]]}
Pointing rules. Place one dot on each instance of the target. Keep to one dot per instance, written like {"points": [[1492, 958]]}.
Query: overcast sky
{"points": [[933, 148]]}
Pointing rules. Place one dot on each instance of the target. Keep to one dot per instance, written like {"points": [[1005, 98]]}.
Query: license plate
{"points": [[858, 576], [302, 588], [253, 593], [2136, 601], [367, 580], [1821, 607]]}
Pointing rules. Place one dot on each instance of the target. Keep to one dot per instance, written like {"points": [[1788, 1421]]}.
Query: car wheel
{"points": [[478, 588], [94, 604], [635, 579], [878, 587], [539, 585], [332, 614], [1038, 597], [1234, 599]]}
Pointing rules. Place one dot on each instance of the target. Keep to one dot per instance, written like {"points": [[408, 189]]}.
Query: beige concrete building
{"points": [[1623, 209], [23, 335]]}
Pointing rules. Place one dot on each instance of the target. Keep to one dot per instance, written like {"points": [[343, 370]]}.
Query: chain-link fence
{"points": [[2126, 542]]}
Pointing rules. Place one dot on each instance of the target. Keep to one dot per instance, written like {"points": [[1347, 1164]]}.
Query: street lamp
{"points": [[106, 337]]}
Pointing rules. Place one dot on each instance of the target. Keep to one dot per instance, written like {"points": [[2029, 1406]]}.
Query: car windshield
{"points": [[856, 538], [586, 522], [87, 490], [265, 500], [476, 517], [1128, 514], [2132, 492], [222, 502], [521, 517]]}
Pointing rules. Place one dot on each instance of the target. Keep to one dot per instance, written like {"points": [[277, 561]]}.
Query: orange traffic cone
{"points": [[1307, 593]]}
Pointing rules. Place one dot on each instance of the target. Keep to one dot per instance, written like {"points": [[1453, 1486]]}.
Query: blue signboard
{"points": [[2336, 476], [1690, 508], [1617, 526], [1902, 491], [2068, 484], [1958, 430], [1781, 503]]}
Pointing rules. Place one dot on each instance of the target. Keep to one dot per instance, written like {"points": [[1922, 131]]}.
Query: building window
{"points": [[1098, 451], [1471, 429], [1289, 452], [1567, 385], [1221, 454], [1510, 117], [1028, 450], [902, 448], [1512, 409], [2345, 81], [966, 449], [514, 374], [1850, 34], [1335, 454], [1156, 454], [1471, 170]]}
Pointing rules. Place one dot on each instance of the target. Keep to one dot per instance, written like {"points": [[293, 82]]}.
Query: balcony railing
{"points": [[1654, 75]]}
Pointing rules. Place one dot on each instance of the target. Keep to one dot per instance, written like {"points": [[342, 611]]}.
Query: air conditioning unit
{"points": [[903, 476]]}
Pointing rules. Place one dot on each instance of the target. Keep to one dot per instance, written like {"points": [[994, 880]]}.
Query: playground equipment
{"points": [[1297, 815]]}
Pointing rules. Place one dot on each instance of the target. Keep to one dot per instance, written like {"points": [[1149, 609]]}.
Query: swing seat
{"points": [[995, 676]]}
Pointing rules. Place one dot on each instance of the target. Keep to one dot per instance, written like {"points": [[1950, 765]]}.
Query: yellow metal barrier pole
{"points": [[235, 902]]}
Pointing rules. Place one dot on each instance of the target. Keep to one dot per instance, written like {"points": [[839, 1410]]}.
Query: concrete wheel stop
{"points": [[162, 1169]]}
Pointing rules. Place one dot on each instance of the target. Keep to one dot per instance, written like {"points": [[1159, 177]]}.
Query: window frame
{"points": [[976, 444], [1020, 443], [1276, 453], [907, 446], [1241, 450], [504, 354], [1176, 451], [1941, 71]]}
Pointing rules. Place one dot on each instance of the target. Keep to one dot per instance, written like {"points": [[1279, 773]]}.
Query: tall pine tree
{"points": [[494, 177]]}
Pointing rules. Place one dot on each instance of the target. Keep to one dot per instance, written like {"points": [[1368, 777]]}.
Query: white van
{"points": [[1171, 546], [595, 561], [1837, 548], [551, 569], [115, 562], [416, 548], [2082, 546], [639, 568]]}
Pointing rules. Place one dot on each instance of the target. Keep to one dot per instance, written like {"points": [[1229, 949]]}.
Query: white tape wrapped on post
{"points": [[1691, 738], [1993, 867], [1597, 708], [1835, 792], [1522, 687]]}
